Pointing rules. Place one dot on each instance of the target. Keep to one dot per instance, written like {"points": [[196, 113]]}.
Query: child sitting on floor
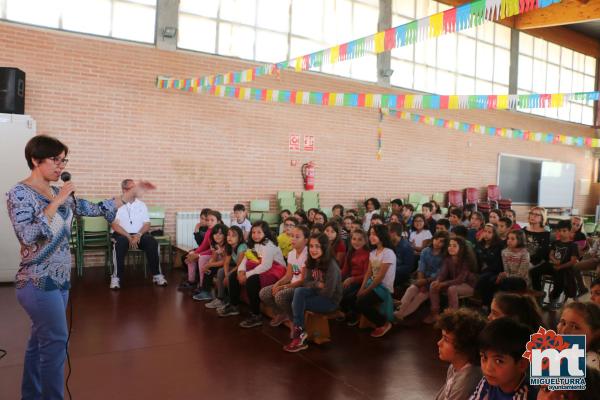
{"points": [[458, 346]]}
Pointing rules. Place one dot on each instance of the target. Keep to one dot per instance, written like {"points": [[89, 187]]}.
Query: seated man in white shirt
{"points": [[131, 231]]}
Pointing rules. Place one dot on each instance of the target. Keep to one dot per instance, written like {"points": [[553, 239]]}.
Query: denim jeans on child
{"points": [[308, 299]]}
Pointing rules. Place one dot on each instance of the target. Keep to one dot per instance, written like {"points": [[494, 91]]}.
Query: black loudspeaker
{"points": [[12, 91]]}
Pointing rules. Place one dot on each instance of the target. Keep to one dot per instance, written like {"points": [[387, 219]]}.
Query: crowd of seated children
{"points": [[324, 272]]}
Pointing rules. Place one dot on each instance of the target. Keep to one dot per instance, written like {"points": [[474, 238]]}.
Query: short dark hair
{"points": [[409, 207], [427, 205], [595, 282], [341, 207], [465, 325], [460, 230], [507, 221], [443, 222], [350, 217], [564, 224], [204, 212], [239, 207], [43, 146], [396, 228], [456, 212], [291, 219], [397, 202], [505, 336], [377, 216]]}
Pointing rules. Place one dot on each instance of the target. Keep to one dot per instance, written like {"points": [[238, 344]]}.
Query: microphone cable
{"points": [[67, 347]]}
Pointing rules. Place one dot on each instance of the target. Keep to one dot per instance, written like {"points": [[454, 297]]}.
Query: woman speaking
{"points": [[41, 215]]}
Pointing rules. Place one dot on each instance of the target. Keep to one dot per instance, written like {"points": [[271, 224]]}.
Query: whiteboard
{"points": [[557, 185]]}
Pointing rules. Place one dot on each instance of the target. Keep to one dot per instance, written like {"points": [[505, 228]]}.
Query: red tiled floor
{"points": [[156, 343]]}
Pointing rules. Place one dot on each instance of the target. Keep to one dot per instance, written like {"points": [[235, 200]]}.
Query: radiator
{"points": [[185, 223]]}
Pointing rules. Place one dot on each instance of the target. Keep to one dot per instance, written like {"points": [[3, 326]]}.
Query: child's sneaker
{"points": [[202, 296], [352, 320], [382, 330], [278, 320], [228, 311], [216, 303], [298, 343], [159, 280], [115, 283], [186, 285], [252, 321]]}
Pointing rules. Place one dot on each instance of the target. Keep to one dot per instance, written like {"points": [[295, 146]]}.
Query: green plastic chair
{"points": [[310, 200], [255, 216], [259, 206], [438, 198], [157, 222], [287, 204], [94, 236], [589, 227], [272, 219], [287, 196]]}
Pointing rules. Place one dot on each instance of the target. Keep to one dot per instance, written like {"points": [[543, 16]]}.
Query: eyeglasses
{"points": [[289, 225], [59, 161]]}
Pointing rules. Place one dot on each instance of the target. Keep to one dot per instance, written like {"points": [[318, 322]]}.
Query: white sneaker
{"points": [[159, 280], [215, 304], [114, 283]]}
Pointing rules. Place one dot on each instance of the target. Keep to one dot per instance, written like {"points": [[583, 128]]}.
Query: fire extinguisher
{"points": [[308, 175]]}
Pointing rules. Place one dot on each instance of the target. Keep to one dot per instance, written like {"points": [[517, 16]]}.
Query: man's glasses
{"points": [[59, 161]]}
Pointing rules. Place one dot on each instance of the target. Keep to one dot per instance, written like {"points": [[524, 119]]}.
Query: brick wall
{"points": [[98, 95]]}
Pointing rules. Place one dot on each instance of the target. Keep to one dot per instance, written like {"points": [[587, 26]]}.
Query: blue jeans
{"points": [[43, 374], [307, 299]]}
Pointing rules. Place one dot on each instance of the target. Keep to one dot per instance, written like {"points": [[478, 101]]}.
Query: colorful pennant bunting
{"points": [[462, 17], [509, 133]]}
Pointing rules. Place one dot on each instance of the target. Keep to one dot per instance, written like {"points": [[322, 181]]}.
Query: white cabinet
{"points": [[15, 131]]}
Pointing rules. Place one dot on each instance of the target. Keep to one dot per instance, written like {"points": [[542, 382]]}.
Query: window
{"points": [[123, 19], [279, 30], [474, 61], [546, 67]]}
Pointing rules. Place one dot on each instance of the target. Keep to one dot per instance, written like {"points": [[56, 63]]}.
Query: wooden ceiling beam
{"points": [[563, 13]]}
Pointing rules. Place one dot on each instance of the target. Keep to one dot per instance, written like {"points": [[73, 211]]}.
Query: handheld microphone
{"points": [[66, 177]]}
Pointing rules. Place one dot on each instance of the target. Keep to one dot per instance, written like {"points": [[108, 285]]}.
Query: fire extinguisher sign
{"points": [[294, 142], [309, 143]]}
